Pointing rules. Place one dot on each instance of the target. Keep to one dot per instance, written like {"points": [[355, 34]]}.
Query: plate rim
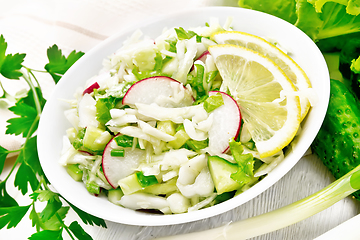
{"points": [[153, 220]]}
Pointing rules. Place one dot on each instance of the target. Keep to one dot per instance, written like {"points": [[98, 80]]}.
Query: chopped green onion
{"points": [[92, 187], [78, 141], [146, 181], [117, 152], [124, 141]]}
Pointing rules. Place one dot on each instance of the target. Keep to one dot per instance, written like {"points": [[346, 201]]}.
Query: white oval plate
{"points": [[53, 124]]}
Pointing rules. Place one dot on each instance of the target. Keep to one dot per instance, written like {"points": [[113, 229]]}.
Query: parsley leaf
{"points": [[11, 66], [79, 231], [58, 63], [27, 122], [30, 166], [51, 208], [183, 34], [244, 161], [30, 98], [196, 80], [29, 155], [172, 45], [35, 219], [53, 203], [24, 176], [5, 199], [53, 224], [44, 195], [3, 155], [47, 234], [3, 46], [88, 218], [103, 107], [11, 216], [22, 125]]}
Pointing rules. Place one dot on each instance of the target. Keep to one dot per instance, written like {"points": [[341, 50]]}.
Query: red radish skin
{"points": [[226, 124], [116, 168], [148, 90], [91, 88], [203, 56], [86, 153]]}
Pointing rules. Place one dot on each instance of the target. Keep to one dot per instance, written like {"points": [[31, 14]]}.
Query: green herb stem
{"points": [[33, 75], [64, 226], [284, 216], [15, 163], [32, 87], [35, 70]]}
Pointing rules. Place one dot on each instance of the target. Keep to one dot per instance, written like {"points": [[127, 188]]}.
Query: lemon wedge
{"points": [[266, 96], [286, 63]]}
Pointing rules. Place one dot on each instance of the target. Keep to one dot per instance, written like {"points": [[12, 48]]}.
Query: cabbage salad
{"points": [[154, 130]]}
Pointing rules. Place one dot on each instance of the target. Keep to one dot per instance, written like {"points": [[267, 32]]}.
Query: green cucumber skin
{"points": [[337, 143], [221, 171]]}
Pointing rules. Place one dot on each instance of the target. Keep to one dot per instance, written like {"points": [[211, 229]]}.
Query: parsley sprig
{"points": [[49, 220]]}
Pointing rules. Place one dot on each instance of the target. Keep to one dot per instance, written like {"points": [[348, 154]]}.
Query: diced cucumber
{"points": [[95, 139], [224, 196], [221, 170], [114, 195], [162, 188], [166, 127], [130, 184], [180, 138], [135, 182], [71, 133], [75, 172], [250, 145]]}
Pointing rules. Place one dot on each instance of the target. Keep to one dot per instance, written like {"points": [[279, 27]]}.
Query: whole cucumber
{"points": [[338, 142]]}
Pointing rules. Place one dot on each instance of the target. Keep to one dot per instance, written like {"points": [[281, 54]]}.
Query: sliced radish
{"points": [[164, 91], [116, 168], [226, 124], [97, 81], [91, 88], [203, 56]]}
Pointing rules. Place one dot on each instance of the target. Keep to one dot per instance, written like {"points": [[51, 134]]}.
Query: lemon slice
{"points": [[267, 98], [287, 64]]}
